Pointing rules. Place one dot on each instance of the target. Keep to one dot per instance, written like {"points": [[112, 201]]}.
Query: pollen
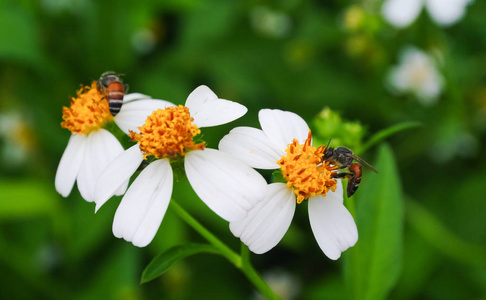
{"points": [[305, 171], [88, 111], [168, 133]]}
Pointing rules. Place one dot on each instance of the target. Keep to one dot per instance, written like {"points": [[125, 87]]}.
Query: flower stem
{"points": [[241, 262], [253, 276]]}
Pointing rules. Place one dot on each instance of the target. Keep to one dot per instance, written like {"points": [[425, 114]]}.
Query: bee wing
{"points": [[363, 162]]}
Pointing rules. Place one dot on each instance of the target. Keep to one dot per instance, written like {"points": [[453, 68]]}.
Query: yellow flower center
{"points": [[88, 112], [167, 133], [305, 171]]}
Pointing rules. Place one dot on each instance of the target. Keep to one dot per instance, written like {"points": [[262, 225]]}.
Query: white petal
{"points": [[70, 163], [133, 114], [143, 207], [400, 13], [207, 110], [252, 146], [338, 193], [281, 127], [115, 176], [446, 12], [227, 185], [332, 224], [134, 96], [266, 224], [102, 147]]}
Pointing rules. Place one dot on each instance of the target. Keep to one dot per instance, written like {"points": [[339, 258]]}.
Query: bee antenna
{"points": [[328, 143]]}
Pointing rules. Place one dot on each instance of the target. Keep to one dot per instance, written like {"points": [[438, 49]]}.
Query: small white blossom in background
{"points": [[269, 22], [283, 283], [417, 74], [285, 143], [169, 136], [17, 139], [401, 13]]}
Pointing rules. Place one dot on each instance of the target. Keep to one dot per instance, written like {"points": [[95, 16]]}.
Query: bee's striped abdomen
{"points": [[115, 96]]}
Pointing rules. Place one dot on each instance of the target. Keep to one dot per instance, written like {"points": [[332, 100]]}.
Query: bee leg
{"points": [[353, 184], [125, 87], [342, 175]]}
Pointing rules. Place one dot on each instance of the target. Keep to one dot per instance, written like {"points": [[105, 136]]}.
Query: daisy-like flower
{"points": [[285, 143], [228, 186], [401, 13], [91, 148], [416, 74]]}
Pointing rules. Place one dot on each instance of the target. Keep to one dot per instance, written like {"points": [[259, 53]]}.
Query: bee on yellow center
{"points": [[305, 171], [88, 112]]}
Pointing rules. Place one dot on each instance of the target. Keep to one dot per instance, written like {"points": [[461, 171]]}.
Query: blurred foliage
{"points": [[421, 220]]}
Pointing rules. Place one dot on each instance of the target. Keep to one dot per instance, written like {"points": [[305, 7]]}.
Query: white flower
{"points": [[228, 186], [90, 147], [416, 74], [402, 13], [269, 22], [285, 143]]}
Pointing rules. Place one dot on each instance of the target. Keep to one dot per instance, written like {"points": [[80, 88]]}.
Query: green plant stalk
{"points": [[241, 262], [383, 134]]}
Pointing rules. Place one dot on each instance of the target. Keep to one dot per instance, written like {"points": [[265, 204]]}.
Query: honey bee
{"points": [[111, 85], [354, 178], [343, 157]]}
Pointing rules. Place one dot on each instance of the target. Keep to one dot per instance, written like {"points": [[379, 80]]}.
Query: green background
{"points": [[421, 221]]}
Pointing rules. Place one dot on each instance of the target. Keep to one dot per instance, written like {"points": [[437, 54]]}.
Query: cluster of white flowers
{"points": [[225, 179], [417, 72], [402, 13]]}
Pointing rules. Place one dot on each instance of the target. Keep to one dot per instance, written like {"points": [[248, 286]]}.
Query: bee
{"points": [[343, 157], [111, 85], [354, 178]]}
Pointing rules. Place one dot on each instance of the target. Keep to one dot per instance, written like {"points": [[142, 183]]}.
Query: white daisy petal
{"points": [[332, 224], [70, 163], [266, 224], [134, 96], [400, 13], [252, 146], [281, 127], [120, 191], [114, 178], [338, 193], [446, 12], [207, 110], [227, 185], [143, 207], [133, 114], [102, 147]]}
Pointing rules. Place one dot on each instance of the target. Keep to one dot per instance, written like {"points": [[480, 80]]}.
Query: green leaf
{"points": [[437, 234], [384, 133], [373, 265], [165, 260], [19, 36], [27, 198]]}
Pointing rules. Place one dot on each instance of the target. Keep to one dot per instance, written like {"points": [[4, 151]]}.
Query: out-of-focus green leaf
{"points": [[115, 277], [27, 198], [428, 226], [90, 229], [19, 39], [165, 260], [374, 264], [383, 134]]}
